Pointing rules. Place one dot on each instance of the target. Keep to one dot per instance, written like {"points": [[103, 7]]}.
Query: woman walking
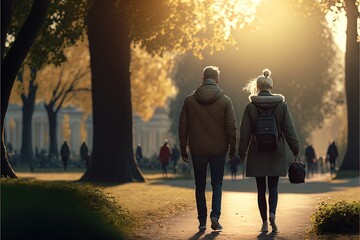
{"points": [[165, 155], [266, 165]]}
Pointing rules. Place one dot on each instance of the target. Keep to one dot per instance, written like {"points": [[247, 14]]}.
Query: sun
{"points": [[230, 10]]}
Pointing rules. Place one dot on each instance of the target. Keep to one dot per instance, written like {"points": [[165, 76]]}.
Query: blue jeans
{"points": [[273, 195], [200, 164]]}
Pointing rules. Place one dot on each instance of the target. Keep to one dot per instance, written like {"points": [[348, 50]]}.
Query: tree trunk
{"points": [[53, 150], [7, 9], [26, 144], [351, 159], [11, 63], [112, 158], [27, 111]]}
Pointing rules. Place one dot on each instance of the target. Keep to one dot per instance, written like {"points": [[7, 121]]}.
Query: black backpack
{"points": [[266, 132]]}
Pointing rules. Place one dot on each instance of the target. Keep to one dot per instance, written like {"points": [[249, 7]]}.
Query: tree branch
{"points": [[81, 90], [11, 63], [63, 99], [56, 95]]}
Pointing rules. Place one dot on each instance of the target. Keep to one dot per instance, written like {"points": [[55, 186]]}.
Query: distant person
{"points": [[310, 156], [165, 154], [37, 154], [138, 154], [331, 155], [175, 155], [65, 154], [84, 154], [267, 164], [234, 167], [207, 122], [9, 148], [315, 166], [242, 168]]}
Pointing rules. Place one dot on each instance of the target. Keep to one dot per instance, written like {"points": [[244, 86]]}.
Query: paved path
{"points": [[240, 216]]}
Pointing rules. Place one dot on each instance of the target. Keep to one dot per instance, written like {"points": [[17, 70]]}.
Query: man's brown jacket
{"points": [[207, 122]]}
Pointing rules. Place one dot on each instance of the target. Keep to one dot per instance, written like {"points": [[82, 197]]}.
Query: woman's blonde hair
{"points": [[262, 82]]}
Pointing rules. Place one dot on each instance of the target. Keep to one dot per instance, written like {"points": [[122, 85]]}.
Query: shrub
{"points": [[339, 217]]}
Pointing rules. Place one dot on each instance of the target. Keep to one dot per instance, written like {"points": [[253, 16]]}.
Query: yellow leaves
{"points": [[83, 129], [66, 128], [151, 84], [73, 74], [15, 93], [196, 26], [233, 14], [21, 85]]}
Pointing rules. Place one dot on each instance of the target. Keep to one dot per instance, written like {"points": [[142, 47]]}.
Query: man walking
{"points": [[65, 154], [331, 155], [84, 153], [138, 154], [310, 156], [207, 122]]}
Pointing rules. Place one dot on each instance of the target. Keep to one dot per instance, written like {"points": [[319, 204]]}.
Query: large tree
{"points": [[11, 62], [352, 76], [156, 26]]}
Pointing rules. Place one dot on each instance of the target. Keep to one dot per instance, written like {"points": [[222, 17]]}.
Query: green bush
{"points": [[60, 210], [339, 217]]}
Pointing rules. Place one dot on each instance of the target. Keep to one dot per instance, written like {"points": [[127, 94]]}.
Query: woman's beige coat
{"points": [[259, 163]]}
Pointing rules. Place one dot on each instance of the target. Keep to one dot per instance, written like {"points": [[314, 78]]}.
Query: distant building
{"points": [[40, 128], [150, 134]]}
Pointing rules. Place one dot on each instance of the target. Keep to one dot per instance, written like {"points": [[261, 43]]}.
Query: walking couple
{"points": [[207, 125]]}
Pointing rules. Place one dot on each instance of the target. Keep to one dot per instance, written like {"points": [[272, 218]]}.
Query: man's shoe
{"points": [[264, 227], [202, 227], [215, 225], [272, 222]]}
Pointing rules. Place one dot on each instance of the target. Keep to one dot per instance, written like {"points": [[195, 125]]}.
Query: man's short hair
{"points": [[211, 72]]}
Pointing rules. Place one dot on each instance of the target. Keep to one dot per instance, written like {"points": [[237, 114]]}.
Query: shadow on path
{"points": [[321, 184], [269, 236], [208, 236]]}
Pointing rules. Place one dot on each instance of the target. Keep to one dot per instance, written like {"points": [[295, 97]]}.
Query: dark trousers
{"points": [[65, 162], [332, 167], [200, 164], [233, 169], [310, 168], [273, 195], [164, 168]]}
